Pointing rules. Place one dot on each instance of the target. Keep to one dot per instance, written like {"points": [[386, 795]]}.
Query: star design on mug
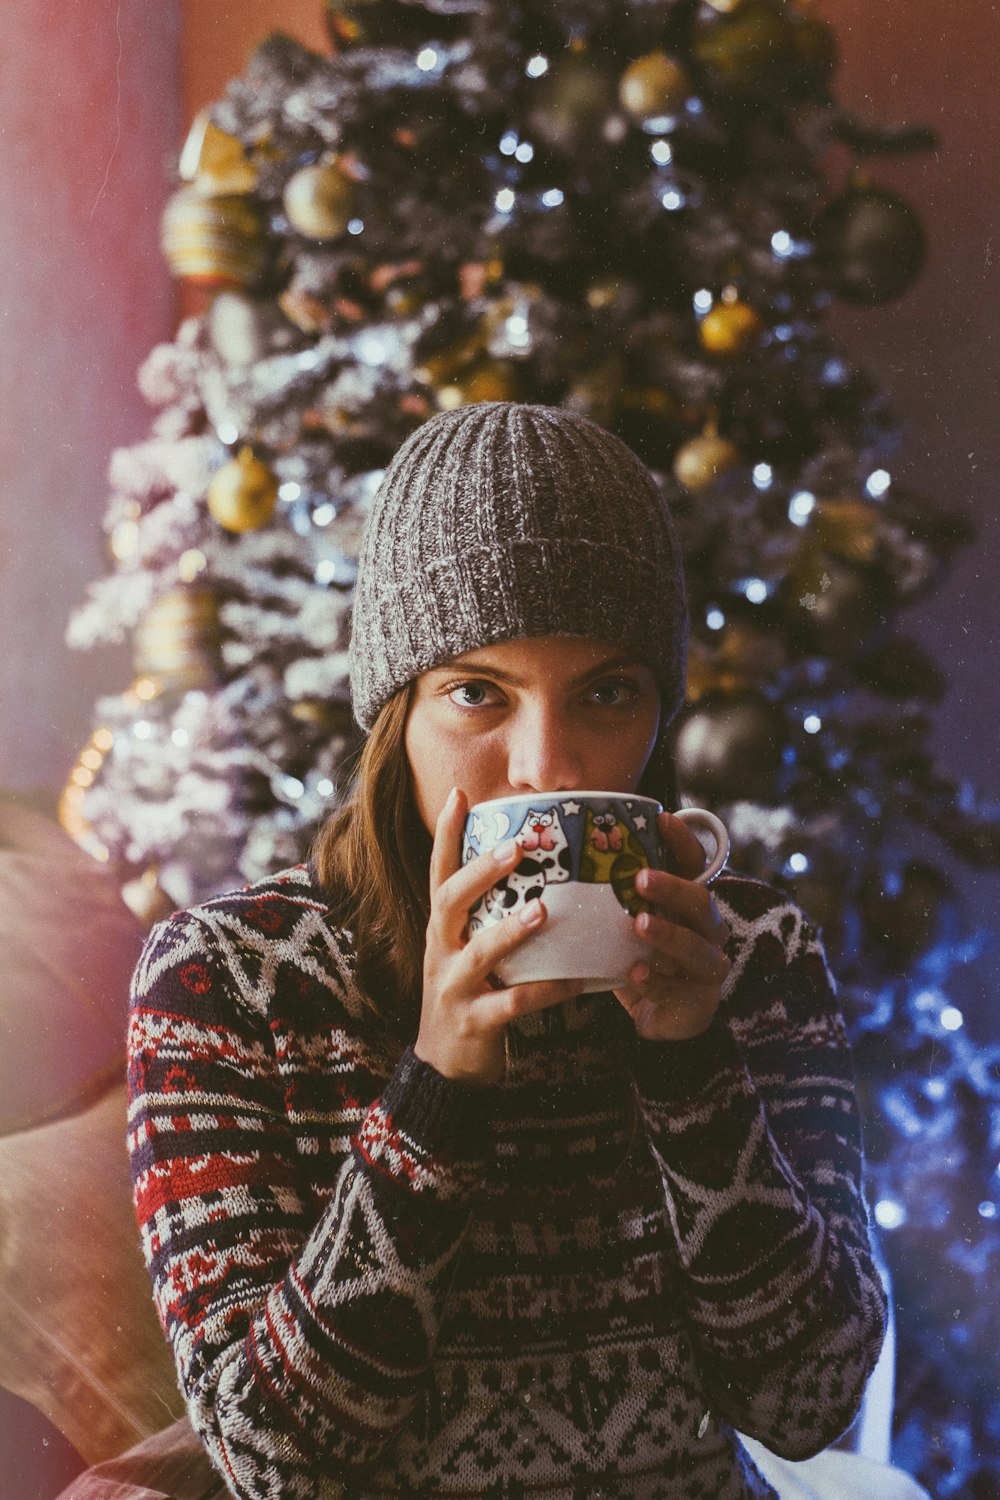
{"points": [[477, 828], [570, 808], [640, 820]]}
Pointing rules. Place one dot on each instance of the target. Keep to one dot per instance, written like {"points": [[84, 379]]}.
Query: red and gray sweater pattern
{"points": [[581, 1284]]}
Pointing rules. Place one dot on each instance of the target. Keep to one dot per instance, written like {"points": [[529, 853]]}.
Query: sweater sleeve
{"points": [[302, 1318], [755, 1130]]}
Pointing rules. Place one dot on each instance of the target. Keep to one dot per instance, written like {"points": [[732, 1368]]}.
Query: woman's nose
{"points": [[541, 755]]}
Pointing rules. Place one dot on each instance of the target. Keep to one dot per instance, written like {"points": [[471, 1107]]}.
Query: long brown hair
{"points": [[372, 858]]}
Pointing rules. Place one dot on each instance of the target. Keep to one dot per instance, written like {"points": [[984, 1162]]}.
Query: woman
{"points": [[414, 1234]]}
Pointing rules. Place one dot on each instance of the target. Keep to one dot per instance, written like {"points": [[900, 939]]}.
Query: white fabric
{"points": [[833, 1475], [871, 1433]]}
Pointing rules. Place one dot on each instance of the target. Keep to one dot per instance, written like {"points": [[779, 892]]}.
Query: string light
{"points": [[801, 507], [190, 564], [889, 1214], [371, 349]]}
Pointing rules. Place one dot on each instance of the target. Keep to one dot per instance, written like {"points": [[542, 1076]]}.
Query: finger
{"points": [[692, 955], [484, 953], [684, 849], [466, 885], [446, 849], [690, 904], [500, 1007], [677, 1014]]}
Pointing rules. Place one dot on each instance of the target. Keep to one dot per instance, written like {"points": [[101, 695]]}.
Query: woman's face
{"points": [[545, 714]]}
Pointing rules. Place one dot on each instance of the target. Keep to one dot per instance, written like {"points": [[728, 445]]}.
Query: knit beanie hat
{"points": [[500, 520]]}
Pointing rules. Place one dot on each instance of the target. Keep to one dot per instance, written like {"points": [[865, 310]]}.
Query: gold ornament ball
{"points": [[849, 528], [571, 101], [215, 160], [350, 23], [146, 898], [243, 493], [176, 643], [214, 241], [652, 86], [699, 462], [747, 51], [835, 606], [493, 380], [730, 328], [319, 201]]}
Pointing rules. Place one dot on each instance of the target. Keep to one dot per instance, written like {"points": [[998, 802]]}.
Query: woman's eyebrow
{"points": [[511, 679]]}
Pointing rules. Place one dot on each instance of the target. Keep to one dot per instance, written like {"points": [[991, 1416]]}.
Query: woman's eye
{"points": [[614, 692], [472, 694]]}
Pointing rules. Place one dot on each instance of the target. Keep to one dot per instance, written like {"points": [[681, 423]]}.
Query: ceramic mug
{"points": [[582, 853]]}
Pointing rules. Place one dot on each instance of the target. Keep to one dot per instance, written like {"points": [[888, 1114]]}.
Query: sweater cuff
{"points": [[429, 1132], [675, 1072]]}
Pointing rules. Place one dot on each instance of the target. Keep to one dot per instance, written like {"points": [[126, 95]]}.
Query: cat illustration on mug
{"points": [[546, 860]]}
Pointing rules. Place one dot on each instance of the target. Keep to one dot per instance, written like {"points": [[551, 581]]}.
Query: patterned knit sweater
{"points": [[578, 1284]]}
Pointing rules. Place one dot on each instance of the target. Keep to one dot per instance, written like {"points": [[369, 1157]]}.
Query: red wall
{"points": [[89, 108], [937, 349]]}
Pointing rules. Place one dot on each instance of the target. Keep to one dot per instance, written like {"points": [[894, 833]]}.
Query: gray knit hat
{"points": [[501, 520]]}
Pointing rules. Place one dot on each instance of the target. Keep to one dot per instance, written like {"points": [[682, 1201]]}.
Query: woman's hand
{"points": [[464, 1009], [674, 995]]}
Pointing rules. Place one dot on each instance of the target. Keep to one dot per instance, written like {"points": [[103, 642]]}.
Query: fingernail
{"points": [[642, 921], [642, 880], [532, 914], [505, 851], [640, 974]]}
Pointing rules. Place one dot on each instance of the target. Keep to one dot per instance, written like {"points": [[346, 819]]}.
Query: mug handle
{"points": [[701, 816]]}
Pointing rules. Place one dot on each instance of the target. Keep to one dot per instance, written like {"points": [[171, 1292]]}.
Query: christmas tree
{"points": [[642, 212]]}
